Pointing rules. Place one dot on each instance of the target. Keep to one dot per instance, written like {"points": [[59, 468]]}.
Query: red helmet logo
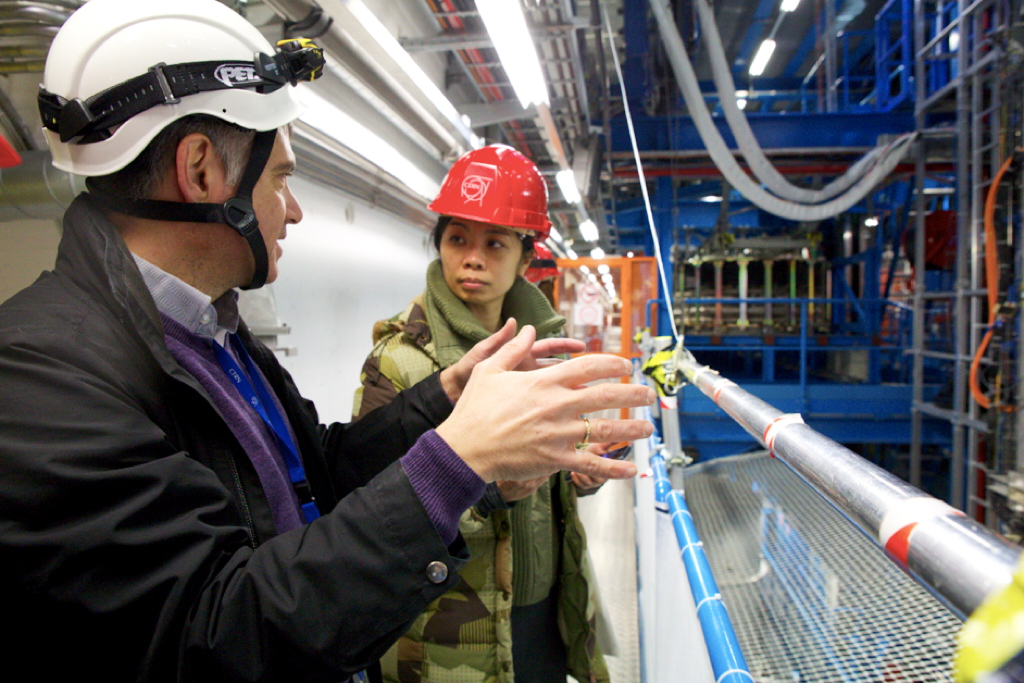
{"points": [[474, 188]]}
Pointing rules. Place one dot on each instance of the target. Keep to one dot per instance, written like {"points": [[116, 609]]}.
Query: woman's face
{"points": [[480, 261]]}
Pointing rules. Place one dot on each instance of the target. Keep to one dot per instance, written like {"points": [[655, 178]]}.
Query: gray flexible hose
{"points": [[759, 164], [728, 166]]}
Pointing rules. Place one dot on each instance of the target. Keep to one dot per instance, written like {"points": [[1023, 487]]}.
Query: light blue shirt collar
{"points": [[186, 305]]}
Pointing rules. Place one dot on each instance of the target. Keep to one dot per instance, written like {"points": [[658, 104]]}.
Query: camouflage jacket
{"points": [[465, 636]]}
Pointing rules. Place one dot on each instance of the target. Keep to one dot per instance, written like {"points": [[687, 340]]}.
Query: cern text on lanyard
{"points": [[258, 396]]}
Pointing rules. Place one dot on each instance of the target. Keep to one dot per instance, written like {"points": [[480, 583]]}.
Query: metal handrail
{"points": [[956, 558]]}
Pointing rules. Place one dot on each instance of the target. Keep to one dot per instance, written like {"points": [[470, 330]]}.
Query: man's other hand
{"points": [[523, 425]]}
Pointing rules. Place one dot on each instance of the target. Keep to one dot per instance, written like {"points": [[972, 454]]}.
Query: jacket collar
{"points": [[93, 255]]}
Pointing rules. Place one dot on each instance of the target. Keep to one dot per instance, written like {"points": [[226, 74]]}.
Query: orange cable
{"points": [[991, 282]]}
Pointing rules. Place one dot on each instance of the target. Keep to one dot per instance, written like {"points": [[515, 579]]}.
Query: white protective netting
{"points": [[810, 596]]}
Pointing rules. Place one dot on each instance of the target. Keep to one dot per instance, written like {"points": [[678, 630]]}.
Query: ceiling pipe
{"points": [[337, 38], [26, 30], [34, 13]]}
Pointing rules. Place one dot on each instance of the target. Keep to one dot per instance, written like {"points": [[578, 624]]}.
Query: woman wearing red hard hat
{"points": [[528, 570]]}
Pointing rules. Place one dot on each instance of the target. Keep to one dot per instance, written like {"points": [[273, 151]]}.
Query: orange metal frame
{"points": [[631, 284]]}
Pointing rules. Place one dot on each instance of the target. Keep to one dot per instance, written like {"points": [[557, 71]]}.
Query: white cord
{"points": [[640, 173]]}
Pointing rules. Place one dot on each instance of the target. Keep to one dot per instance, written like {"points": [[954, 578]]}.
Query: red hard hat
{"points": [[497, 185], [542, 266]]}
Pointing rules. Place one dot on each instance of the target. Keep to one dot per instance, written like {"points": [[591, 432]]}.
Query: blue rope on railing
{"points": [[727, 661]]}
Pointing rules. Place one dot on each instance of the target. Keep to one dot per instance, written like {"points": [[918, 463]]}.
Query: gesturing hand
{"points": [[454, 378], [523, 425]]}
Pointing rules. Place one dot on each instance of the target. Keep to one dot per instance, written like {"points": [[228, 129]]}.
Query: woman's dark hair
{"points": [[442, 223]]}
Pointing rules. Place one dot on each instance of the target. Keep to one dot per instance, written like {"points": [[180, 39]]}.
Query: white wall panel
{"points": [[27, 248], [344, 267]]}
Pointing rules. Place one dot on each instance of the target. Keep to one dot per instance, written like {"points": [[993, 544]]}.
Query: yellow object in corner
{"points": [[994, 632]]}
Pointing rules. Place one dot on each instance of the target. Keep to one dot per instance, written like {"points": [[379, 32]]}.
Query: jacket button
{"points": [[437, 572]]}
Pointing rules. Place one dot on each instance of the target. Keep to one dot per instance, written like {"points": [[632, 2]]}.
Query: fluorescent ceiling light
{"points": [[567, 184], [597, 253], [335, 123], [588, 230], [584, 269], [789, 5], [760, 61], [511, 38], [871, 221], [571, 254], [555, 235], [390, 44], [741, 103], [711, 198], [629, 254]]}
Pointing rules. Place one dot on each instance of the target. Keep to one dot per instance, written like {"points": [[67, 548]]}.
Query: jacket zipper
{"points": [[246, 513]]}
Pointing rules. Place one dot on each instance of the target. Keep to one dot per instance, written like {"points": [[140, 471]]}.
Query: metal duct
{"points": [[325, 161], [36, 190], [447, 135], [26, 30]]}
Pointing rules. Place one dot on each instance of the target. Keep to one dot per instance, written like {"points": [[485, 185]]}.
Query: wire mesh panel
{"points": [[811, 597]]}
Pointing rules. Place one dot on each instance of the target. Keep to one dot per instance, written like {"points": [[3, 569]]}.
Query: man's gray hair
{"points": [[141, 178]]}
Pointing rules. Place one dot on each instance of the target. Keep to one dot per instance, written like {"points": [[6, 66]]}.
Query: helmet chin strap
{"points": [[237, 212]]}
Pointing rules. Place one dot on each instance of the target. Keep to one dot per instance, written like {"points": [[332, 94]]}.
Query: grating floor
{"points": [[811, 597]]}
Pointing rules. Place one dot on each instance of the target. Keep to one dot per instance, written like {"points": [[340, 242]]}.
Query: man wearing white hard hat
{"points": [[170, 506]]}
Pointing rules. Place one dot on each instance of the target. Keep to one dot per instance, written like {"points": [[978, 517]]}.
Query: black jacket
{"points": [[135, 540]]}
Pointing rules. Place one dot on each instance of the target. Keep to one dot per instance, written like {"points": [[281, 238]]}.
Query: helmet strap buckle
{"points": [[239, 215], [165, 87]]}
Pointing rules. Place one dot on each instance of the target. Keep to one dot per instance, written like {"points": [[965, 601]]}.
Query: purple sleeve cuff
{"points": [[445, 484]]}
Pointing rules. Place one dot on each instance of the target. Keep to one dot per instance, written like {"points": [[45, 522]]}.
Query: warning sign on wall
{"points": [[588, 293], [587, 314]]}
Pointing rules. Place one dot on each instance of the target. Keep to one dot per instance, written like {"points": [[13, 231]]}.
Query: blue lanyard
{"points": [[258, 396]]}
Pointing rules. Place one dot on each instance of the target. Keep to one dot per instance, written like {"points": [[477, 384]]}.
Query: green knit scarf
{"points": [[455, 330]]}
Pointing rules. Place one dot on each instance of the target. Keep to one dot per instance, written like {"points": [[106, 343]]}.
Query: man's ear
{"points": [[200, 173]]}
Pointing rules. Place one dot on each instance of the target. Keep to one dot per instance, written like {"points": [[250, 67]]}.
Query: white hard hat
{"points": [[108, 43]]}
